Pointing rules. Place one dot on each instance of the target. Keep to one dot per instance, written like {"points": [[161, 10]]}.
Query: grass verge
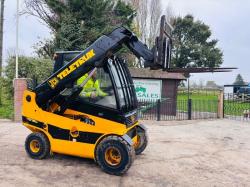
{"points": [[6, 109]]}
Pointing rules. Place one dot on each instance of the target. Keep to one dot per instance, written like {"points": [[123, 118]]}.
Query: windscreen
{"points": [[124, 85]]}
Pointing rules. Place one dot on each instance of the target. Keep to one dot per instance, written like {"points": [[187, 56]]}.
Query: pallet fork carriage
{"points": [[63, 122]]}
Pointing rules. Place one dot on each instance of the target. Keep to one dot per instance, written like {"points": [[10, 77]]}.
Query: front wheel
{"points": [[114, 155], [142, 141], [37, 145]]}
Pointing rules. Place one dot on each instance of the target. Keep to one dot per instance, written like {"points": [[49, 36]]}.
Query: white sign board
{"points": [[147, 89]]}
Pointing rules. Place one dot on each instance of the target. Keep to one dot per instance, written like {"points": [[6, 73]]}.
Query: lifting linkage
{"points": [[94, 56], [97, 54]]}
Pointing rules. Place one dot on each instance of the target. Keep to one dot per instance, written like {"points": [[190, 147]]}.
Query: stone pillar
{"points": [[221, 105], [20, 85]]}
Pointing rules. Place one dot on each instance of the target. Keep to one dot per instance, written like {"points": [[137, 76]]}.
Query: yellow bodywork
{"points": [[33, 112]]}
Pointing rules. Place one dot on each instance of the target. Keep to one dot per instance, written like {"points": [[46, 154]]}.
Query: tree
{"points": [[1, 35], [155, 15], [192, 46], [37, 69], [1, 43], [75, 24], [211, 84], [194, 84], [182, 84], [239, 80], [201, 84], [147, 19], [170, 15]]}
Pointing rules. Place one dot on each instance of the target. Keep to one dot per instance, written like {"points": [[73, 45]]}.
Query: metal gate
{"points": [[187, 109], [237, 106]]}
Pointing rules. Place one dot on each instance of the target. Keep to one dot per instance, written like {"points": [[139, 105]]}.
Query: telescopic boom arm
{"points": [[94, 56]]}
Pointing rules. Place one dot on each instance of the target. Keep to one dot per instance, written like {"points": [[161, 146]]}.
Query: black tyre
{"points": [[142, 141], [114, 155], [37, 145]]}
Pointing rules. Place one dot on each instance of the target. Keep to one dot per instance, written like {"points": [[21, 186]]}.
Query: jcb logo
{"points": [[53, 82]]}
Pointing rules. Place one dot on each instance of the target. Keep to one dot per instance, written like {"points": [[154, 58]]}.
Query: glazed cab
{"points": [[118, 103]]}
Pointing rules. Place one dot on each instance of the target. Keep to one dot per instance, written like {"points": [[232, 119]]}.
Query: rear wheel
{"points": [[114, 155], [142, 141], [37, 145]]}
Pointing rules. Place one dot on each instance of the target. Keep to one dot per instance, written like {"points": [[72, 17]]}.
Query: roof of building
{"points": [[155, 74]]}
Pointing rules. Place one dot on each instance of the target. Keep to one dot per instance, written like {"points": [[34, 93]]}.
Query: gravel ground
{"points": [[180, 153]]}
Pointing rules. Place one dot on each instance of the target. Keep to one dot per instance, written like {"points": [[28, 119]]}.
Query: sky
{"points": [[229, 21]]}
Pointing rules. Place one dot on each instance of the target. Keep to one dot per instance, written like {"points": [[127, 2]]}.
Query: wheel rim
{"points": [[137, 143], [113, 156], [34, 146]]}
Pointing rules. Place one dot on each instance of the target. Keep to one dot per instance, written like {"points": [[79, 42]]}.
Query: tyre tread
{"points": [[130, 150], [139, 150], [46, 145]]}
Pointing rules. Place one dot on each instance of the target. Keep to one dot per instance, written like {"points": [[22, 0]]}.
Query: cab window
{"points": [[98, 89]]}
